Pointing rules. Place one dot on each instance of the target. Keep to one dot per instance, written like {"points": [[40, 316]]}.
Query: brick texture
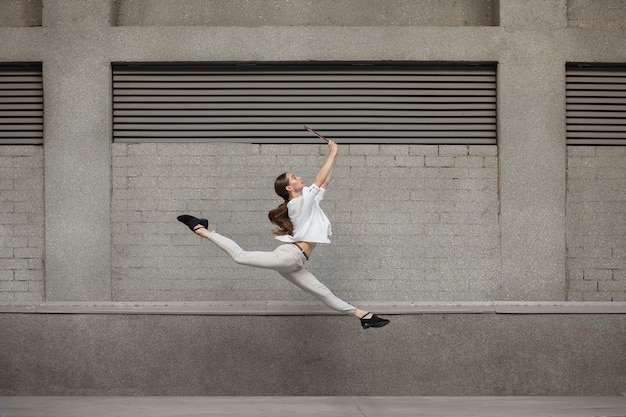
{"points": [[21, 227], [409, 222], [596, 223]]}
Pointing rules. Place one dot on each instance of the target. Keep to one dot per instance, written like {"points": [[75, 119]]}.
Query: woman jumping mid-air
{"points": [[302, 224]]}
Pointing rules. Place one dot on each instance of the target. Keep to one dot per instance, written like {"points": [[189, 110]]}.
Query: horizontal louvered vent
{"points": [[596, 105], [21, 105], [270, 103]]}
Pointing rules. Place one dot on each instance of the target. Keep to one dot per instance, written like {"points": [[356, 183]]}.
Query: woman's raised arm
{"points": [[323, 176]]}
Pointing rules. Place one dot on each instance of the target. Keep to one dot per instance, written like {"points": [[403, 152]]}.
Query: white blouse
{"points": [[310, 223]]}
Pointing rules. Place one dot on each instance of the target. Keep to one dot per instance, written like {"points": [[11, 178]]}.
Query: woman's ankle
{"points": [[362, 314], [203, 232]]}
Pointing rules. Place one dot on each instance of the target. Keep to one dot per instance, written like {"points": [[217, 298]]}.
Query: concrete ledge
{"points": [[302, 308], [535, 406]]}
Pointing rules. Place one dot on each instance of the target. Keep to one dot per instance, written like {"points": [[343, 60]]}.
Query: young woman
{"points": [[302, 224]]}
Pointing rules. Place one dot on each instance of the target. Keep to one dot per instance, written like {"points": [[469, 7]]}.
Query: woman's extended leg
{"points": [[307, 281]]}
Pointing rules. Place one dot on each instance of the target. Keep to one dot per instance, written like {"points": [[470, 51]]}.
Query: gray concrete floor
{"points": [[313, 406]]}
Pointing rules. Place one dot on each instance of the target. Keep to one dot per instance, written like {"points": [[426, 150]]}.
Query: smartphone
{"points": [[315, 133]]}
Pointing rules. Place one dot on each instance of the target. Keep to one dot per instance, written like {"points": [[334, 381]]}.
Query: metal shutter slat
{"points": [[323, 72], [255, 86], [384, 103], [319, 121], [279, 127], [290, 140], [121, 101], [8, 87], [599, 128], [307, 113], [14, 140], [597, 111], [574, 115], [604, 135], [19, 121], [21, 104], [23, 135], [606, 121], [596, 104], [147, 78], [599, 87], [341, 105], [302, 92], [20, 93], [22, 113], [596, 141], [592, 93], [579, 81], [597, 100]]}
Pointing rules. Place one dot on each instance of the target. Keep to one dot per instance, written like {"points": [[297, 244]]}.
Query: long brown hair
{"points": [[280, 215]]}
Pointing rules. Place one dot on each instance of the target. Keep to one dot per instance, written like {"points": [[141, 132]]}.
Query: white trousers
{"points": [[288, 260]]}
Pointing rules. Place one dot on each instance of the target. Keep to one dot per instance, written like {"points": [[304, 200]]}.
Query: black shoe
{"points": [[193, 222], [374, 321]]}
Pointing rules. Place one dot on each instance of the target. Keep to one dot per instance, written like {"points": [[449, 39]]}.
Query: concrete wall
{"points": [[587, 14], [303, 13], [462, 224], [21, 13], [432, 354]]}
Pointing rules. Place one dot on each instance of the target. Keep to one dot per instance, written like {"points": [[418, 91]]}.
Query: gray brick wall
{"points": [[410, 222], [21, 228], [596, 225]]}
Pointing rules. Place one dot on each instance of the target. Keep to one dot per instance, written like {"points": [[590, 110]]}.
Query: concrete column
{"points": [[532, 152], [77, 152]]}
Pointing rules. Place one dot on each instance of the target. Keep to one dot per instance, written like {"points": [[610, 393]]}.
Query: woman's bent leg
{"points": [[307, 281]]}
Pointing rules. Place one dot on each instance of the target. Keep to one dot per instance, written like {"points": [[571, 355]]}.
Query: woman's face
{"points": [[295, 183]]}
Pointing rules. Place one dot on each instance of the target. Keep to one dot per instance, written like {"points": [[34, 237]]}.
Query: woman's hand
{"points": [[333, 147]]}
